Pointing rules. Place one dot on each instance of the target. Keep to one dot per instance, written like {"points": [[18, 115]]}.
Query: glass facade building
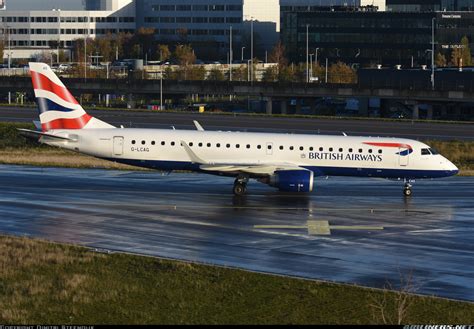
{"points": [[370, 38], [430, 5]]}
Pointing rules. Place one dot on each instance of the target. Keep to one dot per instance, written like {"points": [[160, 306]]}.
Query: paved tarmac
{"points": [[142, 119], [375, 235]]}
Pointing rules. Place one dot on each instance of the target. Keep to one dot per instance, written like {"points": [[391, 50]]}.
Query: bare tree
{"points": [[392, 306]]}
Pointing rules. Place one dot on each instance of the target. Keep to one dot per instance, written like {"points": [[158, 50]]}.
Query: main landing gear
{"points": [[407, 189], [240, 185]]}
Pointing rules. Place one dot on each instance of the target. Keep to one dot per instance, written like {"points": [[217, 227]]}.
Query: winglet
{"points": [[194, 158], [198, 126]]}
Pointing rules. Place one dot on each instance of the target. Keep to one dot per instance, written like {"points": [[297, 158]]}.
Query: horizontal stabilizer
{"points": [[39, 134], [37, 125]]}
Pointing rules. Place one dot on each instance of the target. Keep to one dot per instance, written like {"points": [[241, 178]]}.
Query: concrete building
{"points": [[206, 24], [28, 34]]}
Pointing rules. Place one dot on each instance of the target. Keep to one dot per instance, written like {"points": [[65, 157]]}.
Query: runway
{"points": [[334, 126], [375, 234]]}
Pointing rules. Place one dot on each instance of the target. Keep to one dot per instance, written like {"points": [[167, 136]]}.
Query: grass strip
{"points": [[44, 282]]}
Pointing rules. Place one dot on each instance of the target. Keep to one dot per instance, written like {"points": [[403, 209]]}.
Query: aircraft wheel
{"points": [[407, 191], [240, 189]]}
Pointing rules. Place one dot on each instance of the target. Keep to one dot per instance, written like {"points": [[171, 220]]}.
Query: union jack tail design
{"points": [[58, 109]]}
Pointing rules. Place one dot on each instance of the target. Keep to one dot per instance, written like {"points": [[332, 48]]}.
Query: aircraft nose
{"points": [[452, 169]]}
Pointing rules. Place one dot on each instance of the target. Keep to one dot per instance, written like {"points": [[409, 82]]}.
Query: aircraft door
{"points": [[404, 156], [269, 148], [118, 145]]}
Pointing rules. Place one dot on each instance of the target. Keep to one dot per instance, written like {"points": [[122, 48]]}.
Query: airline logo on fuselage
{"points": [[405, 150], [346, 157]]}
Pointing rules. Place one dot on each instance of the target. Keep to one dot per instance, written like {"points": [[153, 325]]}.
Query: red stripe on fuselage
{"points": [[42, 82], [77, 123], [398, 145]]}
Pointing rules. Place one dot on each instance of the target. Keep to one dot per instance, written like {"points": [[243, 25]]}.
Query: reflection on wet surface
{"points": [[375, 234]]}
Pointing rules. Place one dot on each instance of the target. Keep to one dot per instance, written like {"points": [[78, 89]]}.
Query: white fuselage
{"points": [[324, 155]]}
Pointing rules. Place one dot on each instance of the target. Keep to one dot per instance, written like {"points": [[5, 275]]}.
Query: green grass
{"points": [[43, 282]]}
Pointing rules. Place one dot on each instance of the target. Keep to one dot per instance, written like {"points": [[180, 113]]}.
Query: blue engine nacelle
{"points": [[293, 180]]}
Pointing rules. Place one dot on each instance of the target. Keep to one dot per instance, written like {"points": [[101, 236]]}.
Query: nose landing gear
{"points": [[407, 189]]}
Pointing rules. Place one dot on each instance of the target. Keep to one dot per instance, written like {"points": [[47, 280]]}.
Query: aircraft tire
{"points": [[407, 192], [240, 189]]}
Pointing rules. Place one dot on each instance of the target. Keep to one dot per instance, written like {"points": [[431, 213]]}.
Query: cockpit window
{"points": [[425, 152], [433, 151]]}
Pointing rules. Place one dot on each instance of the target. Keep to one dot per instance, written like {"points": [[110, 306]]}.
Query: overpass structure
{"points": [[268, 91]]}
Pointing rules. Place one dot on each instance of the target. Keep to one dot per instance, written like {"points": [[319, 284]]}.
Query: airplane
{"points": [[289, 162]]}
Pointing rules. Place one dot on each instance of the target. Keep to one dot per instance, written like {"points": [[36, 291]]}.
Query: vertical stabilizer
{"points": [[58, 109]]}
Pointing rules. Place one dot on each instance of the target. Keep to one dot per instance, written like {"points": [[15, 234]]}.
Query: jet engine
{"points": [[292, 180]]}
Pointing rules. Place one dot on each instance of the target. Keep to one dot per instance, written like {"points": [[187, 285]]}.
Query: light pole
{"points": [[230, 55], [107, 96], [432, 52], [248, 69], [316, 59], [251, 48], [311, 66], [243, 54], [161, 81], [326, 70], [59, 32], [9, 49], [307, 52]]}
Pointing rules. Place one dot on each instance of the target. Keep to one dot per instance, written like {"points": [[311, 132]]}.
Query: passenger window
{"points": [[200, 144], [218, 145], [331, 149], [291, 148], [172, 143], [191, 144], [153, 143], [311, 148], [425, 152], [248, 146], [321, 149], [228, 145], [133, 142], [143, 142], [301, 148], [350, 150], [269, 147], [208, 144], [281, 147], [237, 146], [340, 150], [259, 146], [380, 151], [370, 151], [360, 150], [162, 143]]}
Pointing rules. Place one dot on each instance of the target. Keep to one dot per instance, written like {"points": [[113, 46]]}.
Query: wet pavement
{"points": [[351, 230]]}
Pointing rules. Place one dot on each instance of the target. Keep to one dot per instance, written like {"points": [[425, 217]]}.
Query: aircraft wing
{"points": [[258, 169]]}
